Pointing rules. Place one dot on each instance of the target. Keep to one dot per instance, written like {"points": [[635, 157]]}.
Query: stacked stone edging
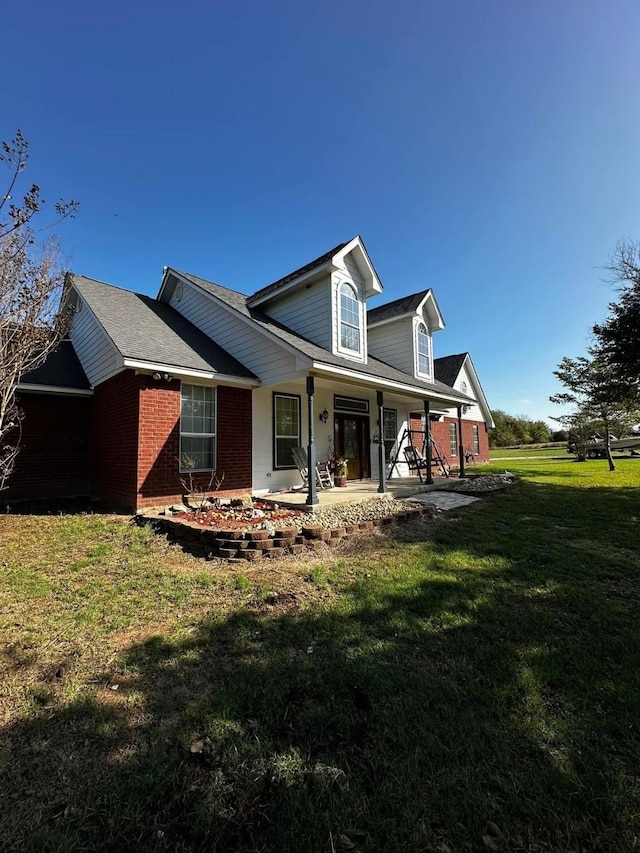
{"points": [[259, 544]]}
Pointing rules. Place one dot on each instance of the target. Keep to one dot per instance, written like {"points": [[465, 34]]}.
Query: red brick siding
{"points": [[440, 434], [53, 459], [159, 479], [114, 439]]}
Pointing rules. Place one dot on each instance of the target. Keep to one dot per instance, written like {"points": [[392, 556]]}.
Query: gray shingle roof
{"points": [[61, 369], [374, 367], [276, 285], [145, 329], [397, 308], [448, 367]]}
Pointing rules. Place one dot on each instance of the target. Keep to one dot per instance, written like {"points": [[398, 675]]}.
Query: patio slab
{"points": [[357, 490], [444, 500]]}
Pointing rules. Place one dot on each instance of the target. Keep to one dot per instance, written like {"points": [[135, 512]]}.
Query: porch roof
{"points": [[319, 356]]}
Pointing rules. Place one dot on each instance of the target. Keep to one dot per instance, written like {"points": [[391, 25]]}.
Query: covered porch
{"points": [[356, 491]]}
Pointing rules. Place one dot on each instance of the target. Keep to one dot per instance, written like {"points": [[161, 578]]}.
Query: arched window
{"points": [[422, 340], [463, 387], [349, 318]]}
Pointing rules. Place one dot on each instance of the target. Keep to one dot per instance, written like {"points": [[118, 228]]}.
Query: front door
{"points": [[352, 442]]}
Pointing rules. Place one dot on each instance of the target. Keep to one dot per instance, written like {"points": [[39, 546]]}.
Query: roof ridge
{"points": [[208, 281]]}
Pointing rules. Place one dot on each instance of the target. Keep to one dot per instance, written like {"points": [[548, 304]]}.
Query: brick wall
{"points": [[114, 439], [440, 434], [159, 479], [53, 459]]}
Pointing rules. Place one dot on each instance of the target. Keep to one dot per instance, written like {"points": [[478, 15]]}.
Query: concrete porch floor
{"points": [[358, 490]]}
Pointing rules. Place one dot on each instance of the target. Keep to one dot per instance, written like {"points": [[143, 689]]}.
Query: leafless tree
{"points": [[31, 284]]}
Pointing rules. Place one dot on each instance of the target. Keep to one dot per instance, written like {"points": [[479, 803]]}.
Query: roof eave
{"points": [[179, 372], [376, 381]]}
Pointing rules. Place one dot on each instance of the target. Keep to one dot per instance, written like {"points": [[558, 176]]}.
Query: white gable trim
{"points": [[355, 247], [480, 399], [436, 320], [177, 371]]}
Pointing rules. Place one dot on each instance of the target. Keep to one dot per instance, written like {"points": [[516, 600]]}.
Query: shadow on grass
{"points": [[404, 716]]}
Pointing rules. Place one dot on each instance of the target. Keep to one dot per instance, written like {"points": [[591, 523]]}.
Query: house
{"points": [[147, 393]]}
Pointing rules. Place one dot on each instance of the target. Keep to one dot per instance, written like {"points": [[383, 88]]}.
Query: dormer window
{"points": [[349, 318], [423, 350]]}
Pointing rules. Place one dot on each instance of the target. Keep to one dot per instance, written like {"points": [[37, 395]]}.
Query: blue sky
{"points": [[486, 149]]}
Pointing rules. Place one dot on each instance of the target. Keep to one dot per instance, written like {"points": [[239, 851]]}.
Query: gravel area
{"points": [[484, 483], [336, 516]]}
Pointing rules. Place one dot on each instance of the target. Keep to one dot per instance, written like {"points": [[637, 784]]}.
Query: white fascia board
{"points": [[176, 371], [248, 321], [54, 389], [327, 266], [376, 381], [434, 313], [481, 400], [373, 286]]}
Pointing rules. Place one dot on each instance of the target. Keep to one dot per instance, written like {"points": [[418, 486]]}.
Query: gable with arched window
{"points": [[350, 312], [423, 351]]}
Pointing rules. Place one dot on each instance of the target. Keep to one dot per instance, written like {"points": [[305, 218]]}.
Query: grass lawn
{"points": [[467, 684], [530, 452]]}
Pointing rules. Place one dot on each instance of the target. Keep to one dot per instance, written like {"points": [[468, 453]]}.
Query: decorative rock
{"points": [[179, 508], [269, 526], [243, 501]]}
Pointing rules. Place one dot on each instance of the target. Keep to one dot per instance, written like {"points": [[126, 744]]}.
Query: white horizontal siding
{"points": [[266, 359], [307, 312], [97, 353], [393, 343]]}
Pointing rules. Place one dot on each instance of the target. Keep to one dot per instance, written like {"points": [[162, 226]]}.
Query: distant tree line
{"points": [[519, 429]]}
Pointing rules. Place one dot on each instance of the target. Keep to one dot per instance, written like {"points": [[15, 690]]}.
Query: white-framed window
{"points": [[423, 350], [476, 439], [463, 387], [197, 428], [389, 430], [453, 439], [286, 429], [349, 318]]}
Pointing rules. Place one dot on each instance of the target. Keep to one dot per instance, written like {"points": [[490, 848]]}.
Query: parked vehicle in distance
{"points": [[596, 448]]}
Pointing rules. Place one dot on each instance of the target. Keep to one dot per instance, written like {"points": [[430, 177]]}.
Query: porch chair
{"points": [[323, 476]]}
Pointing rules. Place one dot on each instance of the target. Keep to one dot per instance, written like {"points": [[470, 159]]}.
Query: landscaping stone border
{"points": [[236, 546]]}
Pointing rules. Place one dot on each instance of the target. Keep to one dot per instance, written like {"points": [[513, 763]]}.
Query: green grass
{"points": [[402, 693], [532, 452]]}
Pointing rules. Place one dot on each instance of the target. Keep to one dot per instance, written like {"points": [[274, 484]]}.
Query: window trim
{"points": [[418, 333], [211, 435], [383, 437], [355, 296], [275, 437], [453, 440], [476, 439]]}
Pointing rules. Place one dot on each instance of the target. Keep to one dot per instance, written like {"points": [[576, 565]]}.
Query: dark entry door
{"points": [[352, 442]]}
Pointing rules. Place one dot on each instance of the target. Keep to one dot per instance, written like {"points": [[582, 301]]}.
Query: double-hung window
{"points": [[389, 430], [476, 440], [423, 350], [453, 439], [198, 428], [286, 429], [349, 318]]}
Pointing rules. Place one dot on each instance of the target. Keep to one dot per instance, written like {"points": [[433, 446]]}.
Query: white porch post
{"points": [[312, 496]]}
